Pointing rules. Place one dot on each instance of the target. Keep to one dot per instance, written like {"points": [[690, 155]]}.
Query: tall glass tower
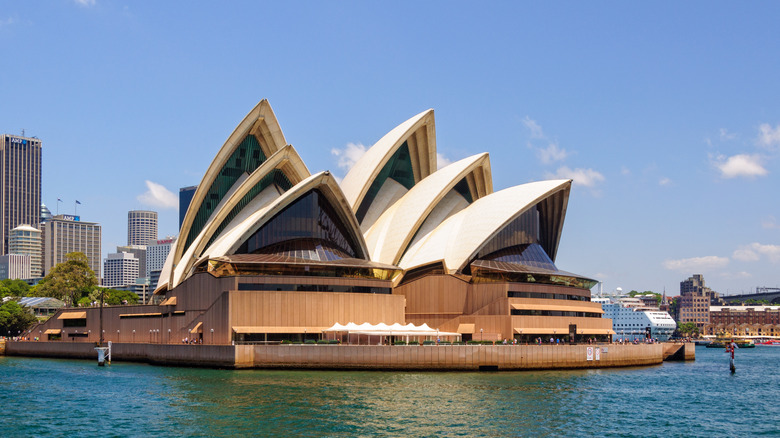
{"points": [[20, 184]]}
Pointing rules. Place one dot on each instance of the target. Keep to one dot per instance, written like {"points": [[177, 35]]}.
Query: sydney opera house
{"points": [[269, 251]]}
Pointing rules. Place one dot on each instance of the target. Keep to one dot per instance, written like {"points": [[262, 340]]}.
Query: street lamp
{"points": [[169, 336], [481, 336], [133, 335], [212, 336]]}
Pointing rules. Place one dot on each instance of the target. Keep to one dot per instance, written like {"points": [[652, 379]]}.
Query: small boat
{"points": [[770, 343], [723, 342]]}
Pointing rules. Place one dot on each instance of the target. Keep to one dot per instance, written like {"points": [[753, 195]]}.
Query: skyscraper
{"points": [[63, 234], [139, 252], [26, 240], [156, 253], [185, 197], [120, 269], [20, 184], [141, 227]]}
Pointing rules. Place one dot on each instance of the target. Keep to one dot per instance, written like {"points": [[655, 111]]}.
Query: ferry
{"points": [[632, 320]]}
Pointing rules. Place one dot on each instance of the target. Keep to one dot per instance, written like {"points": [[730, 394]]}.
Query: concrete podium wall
{"points": [[364, 357]]}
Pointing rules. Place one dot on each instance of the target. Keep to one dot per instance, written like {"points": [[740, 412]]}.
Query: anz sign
{"points": [[70, 217], [18, 140]]}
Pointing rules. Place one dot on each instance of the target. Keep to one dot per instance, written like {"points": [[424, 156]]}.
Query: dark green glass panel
{"points": [[398, 168], [463, 189], [245, 159], [274, 177]]}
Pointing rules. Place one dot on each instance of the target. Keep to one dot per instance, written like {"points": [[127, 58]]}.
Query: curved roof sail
{"points": [[463, 235], [313, 210], [257, 137], [277, 174], [468, 179], [392, 166]]}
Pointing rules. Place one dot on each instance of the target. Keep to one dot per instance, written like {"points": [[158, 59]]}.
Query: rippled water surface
{"points": [[46, 397]]}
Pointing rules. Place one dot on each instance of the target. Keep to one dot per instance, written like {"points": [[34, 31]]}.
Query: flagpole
{"points": [[76, 208]]}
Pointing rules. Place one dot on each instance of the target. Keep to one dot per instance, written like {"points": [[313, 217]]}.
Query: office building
{"points": [[20, 184], [185, 197], [139, 252], [26, 240], [156, 253], [119, 269], [63, 234], [141, 227], [15, 267]]}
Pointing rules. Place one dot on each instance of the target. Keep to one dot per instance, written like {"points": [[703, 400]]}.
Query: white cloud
{"points": [[767, 136], [745, 255], [771, 251], [584, 177], [696, 264], [7, 22], [85, 2], [625, 170], [157, 195], [664, 181], [551, 153], [442, 161], [349, 155], [769, 223], [536, 130], [740, 165], [725, 135]]}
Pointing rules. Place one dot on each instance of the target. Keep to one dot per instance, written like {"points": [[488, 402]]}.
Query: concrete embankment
{"points": [[367, 357]]}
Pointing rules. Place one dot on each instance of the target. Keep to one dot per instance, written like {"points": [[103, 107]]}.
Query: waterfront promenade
{"points": [[371, 357]]}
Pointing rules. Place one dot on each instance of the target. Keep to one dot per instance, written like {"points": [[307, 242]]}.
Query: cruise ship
{"points": [[633, 320]]}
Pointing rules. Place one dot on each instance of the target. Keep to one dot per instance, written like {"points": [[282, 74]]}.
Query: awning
{"points": [[465, 328], [198, 328], [171, 301], [541, 331], [72, 315], [278, 329], [595, 331], [139, 315], [52, 332], [557, 307]]}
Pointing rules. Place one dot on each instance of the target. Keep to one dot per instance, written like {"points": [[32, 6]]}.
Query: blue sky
{"points": [[665, 115]]}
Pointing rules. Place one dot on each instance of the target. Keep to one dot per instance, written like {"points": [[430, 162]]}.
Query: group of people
{"points": [[192, 341]]}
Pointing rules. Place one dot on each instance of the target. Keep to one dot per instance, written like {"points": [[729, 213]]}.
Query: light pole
{"points": [[117, 335], [481, 336], [212, 336], [169, 336], [133, 335]]}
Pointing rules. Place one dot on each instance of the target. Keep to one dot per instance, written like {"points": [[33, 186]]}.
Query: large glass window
{"points": [[311, 219], [276, 177], [527, 255], [524, 230], [399, 168], [245, 159]]}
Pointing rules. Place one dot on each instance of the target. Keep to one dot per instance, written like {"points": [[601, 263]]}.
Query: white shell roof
{"points": [[393, 231], [357, 181], [242, 228], [463, 234], [261, 121], [286, 158]]}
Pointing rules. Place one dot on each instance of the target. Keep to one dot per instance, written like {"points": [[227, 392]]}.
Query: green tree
{"points": [[687, 328], [117, 297], [69, 280], [15, 319], [16, 288]]}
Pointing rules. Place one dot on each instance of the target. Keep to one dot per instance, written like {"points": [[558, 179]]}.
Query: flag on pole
{"points": [[77, 202], [59, 200]]}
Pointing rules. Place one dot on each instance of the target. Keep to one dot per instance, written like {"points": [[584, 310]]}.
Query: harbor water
{"points": [[48, 397]]}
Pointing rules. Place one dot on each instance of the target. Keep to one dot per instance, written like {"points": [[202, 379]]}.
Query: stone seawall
{"points": [[364, 357], [455, 357]]}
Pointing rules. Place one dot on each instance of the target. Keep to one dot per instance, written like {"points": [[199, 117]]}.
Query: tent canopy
{"points": [[383, 329]]}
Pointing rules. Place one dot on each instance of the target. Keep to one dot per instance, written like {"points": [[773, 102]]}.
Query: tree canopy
{"points": [[688, 328], [69, 280], [13, 288], [15, 319]]}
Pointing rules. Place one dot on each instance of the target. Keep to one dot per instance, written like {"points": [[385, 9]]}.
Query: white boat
{"points": [[633, 320]]}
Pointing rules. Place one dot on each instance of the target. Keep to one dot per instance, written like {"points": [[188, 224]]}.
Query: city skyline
{"points": [[666, 119]]}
